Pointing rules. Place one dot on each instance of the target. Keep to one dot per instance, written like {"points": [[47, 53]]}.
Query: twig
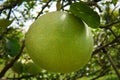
{"points": [[9, 13], [112, 63], [11, 63], [113, 33], [107, 44], [114, 9], [102, 73], [15, 17], [109, 25], [62, 5], [44, 6], [65, 5], [12, 5]]}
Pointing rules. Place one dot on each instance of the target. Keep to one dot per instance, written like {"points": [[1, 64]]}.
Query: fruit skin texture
{"points": [[59, 42]]}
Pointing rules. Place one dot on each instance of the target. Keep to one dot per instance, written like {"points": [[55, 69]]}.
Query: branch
{"points": [[11, 63], [102, 73], [44, 6], [109, 25], [102, 47], [113, 33], [10, 6], [9, 13], [15, 17], [112, 63]]}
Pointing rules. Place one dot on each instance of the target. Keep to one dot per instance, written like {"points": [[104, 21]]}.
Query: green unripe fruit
{"points": [[59, 42]]}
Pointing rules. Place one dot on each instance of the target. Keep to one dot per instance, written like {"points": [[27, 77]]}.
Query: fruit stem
{"points": [[58, 5]]}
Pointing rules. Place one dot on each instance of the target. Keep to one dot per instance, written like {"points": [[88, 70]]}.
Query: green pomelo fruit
{"points": [[59, 42]]}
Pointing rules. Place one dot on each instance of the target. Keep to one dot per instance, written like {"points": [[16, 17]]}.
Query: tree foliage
{"points": [[17, 15]]}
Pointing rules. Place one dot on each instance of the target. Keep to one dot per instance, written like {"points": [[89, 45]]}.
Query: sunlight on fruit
{"points": [[59, 42]]}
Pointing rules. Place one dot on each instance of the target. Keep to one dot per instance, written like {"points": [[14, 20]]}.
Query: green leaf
{"points": [[84, 12], [12, 46]]}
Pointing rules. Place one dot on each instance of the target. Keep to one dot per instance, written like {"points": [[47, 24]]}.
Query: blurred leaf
{"points": [[12, 46], [18, 67], [30, 4], [5, 23], [84, 12], [114, 2], [20, 2], [44, 1]]}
